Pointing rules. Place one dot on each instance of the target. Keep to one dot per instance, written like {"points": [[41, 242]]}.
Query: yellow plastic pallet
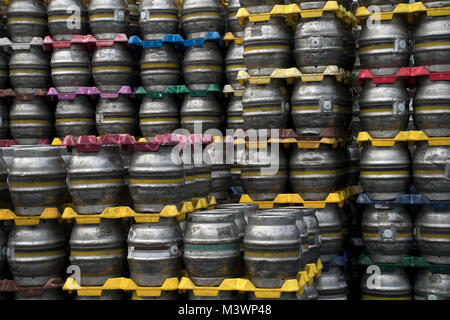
{"points": [[231, 37], [305, 277], [304, 144], [126, 212], [228, 89], [403, 136], [48, 213], [241, 284], [291, 74], [410, 9], [339, 197], [203, 203], [314, 270], [292, 12], [124, 284]]}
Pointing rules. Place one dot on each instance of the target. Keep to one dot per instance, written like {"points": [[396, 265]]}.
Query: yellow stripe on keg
{"points": [[233, 14], [189, 178], [266, 47], [376, 235], [200, 118], [335, 107], [432, 108], [272, 254], [101, 15], [159, 65], [234, 66], [29, 71], [20, 19], [37, 184], [381, 46], [436, 236], [429, 171], [332, 234], [53, 18], [384, 172], [370, 234], [278, 108], [200, 14], [37, 254], [236, 169], [3, 184], [159, 119], [117, 119], [95, 253], [96, 181], [151, 181], [29, 121], [203, 176], [203, 67], [305, 107], [235, 119], [435, 43], [404, 235], [300, 173], [112, 68], [376, 110], [70, 69], [3, 71], [74, 119], [386, 298], [305, 246], [258, 173], [165, 15]]}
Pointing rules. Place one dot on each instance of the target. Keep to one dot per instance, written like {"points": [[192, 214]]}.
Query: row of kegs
{"points": [[38, 176], [387, 45], [387, 172], [390, 234], [106, 19], [234, 240], [405, 284], [97, 180]]}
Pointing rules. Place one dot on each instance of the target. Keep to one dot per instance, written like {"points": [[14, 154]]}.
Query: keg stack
{"points": [[297, 61], [404, 172], [94, 71]]}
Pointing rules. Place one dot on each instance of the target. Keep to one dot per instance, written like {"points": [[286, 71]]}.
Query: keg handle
{"points": [[387, 233], [99, 117], [315, 42], [326, 105], [398, 107], [400, 43], [119, 14], [145, 15]]}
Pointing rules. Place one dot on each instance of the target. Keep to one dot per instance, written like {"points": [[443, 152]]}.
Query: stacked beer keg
{"points": [[397, 226]]}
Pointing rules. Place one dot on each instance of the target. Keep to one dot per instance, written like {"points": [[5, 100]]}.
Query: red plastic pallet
{"points": [[407, 73], [89, 40]]}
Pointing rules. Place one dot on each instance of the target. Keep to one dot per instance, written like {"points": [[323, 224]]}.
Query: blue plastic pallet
{"points": [[411, 199], [177, 40]]}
